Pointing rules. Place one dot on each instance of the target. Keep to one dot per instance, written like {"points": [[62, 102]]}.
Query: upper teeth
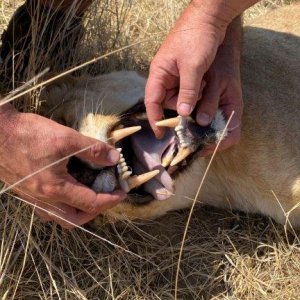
{"points": [[184, 141], [185, 147]]}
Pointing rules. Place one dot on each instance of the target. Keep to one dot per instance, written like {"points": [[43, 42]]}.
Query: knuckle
{"points": [[192, 66], [98, 150], [50, 191], [156, 67], [63, 145], [188, 94], [92, 208]]}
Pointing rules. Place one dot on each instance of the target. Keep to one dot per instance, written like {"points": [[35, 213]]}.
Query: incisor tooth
{"points": [[182, 154], [120, 134], [126, 175], [172, 123]]}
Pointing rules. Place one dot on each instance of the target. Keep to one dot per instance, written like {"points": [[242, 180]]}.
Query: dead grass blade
{"points": [[194, 203], [91, 61], [7, 98], [88, 231], [25, 256]]}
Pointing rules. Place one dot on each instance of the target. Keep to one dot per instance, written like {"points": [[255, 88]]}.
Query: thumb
{"points": [[94, 151], [190, 82]]}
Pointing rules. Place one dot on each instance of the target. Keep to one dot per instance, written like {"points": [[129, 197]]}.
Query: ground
{"points": [[227, 255]]}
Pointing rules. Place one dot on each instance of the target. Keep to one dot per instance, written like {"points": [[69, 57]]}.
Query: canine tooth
{"points": [[183, 153], [135, 181], [173, 122], [120, 134], [167, 160], [138, 180]]}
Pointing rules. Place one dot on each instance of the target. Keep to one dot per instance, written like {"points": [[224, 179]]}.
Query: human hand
{"points": [[220, 87], [30, 142], [177, 70], [223, 88]]}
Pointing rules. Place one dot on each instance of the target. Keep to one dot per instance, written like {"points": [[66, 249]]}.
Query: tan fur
{"points": [[266, 159]]}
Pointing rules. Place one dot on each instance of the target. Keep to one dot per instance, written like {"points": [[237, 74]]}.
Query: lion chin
{"points": [[260, 175]]}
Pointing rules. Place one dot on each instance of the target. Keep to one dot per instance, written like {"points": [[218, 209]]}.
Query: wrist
{"points": [[223, 11]]}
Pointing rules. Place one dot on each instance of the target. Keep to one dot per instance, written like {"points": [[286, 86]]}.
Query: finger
{"points": [[96, 152], [232, 138], [64, 215], [83, 218], [234, 127], [75, 218], [190, 82], [43, 216], [154, 96], [208, 104], [85, 199], [60, 213], [171, 98]]}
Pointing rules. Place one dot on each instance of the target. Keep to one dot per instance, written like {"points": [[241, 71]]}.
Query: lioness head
{"points": [[110, 108]]}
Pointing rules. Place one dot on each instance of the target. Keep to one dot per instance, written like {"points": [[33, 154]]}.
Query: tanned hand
{"points": [[187, 61], [29, 142]]}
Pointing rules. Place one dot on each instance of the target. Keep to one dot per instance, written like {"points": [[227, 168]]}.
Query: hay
{"points": [[227, 255]]}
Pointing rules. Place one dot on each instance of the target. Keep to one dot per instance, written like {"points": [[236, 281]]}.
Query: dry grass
{"points": [[227, 255]]}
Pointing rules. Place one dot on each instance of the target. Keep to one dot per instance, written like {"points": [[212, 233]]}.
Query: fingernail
{"points": [[113, 156], [203, 119], [185, 109]]}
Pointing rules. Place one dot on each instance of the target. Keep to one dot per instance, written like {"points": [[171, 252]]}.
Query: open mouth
{"points": [[148, 166]]}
